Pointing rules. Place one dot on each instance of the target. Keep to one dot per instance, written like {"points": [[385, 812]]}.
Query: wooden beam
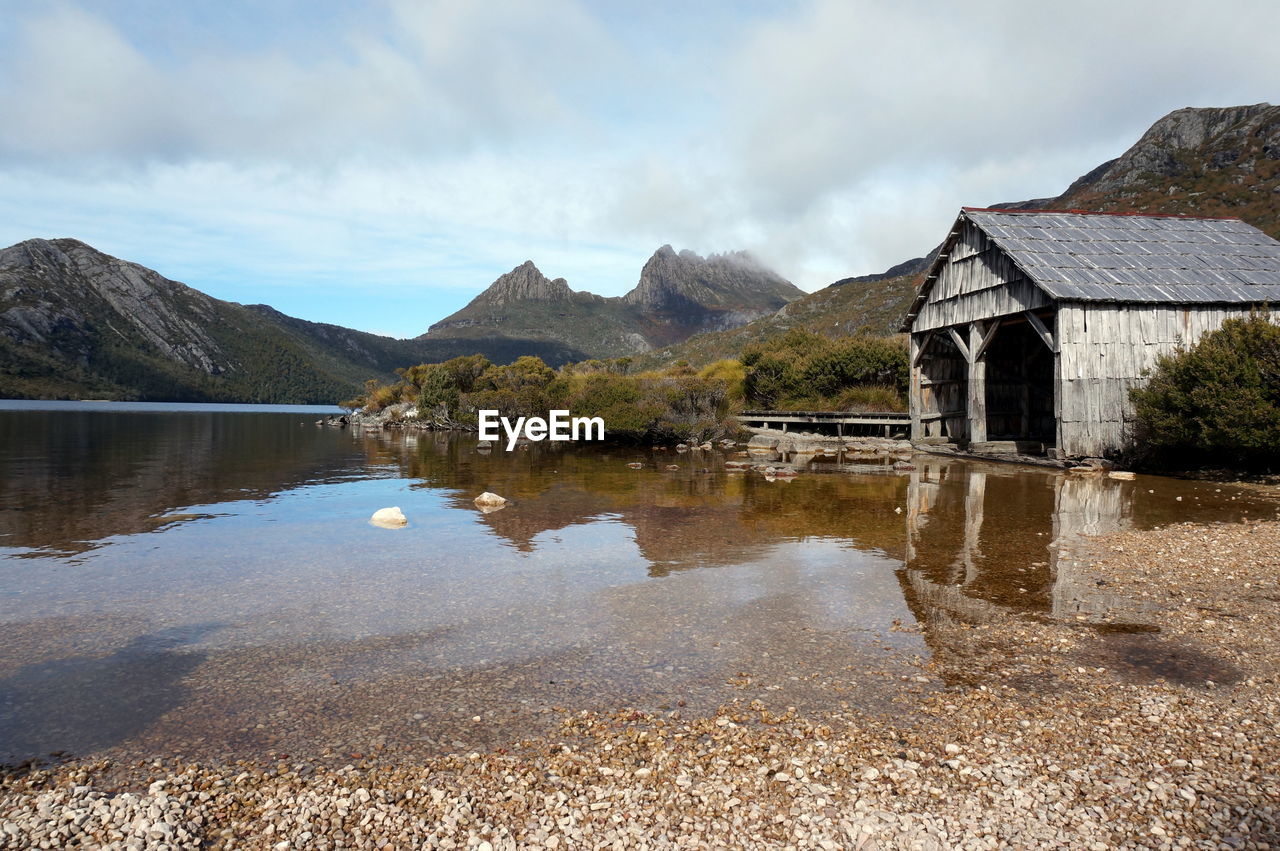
{"points": [[987, 337], [920, 347], [915, 401], [1044, 332], [959, 341]]}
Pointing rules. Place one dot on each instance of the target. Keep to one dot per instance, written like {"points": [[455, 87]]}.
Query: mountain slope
{"points": [[874, 307], [1216, 161], [77, 323], [678, 294]]}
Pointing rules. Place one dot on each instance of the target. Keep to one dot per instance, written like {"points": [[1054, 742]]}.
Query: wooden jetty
{"points": [[843, 422]]}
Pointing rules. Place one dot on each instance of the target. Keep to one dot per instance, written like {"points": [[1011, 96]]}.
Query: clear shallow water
{"points": [[207, 583]]}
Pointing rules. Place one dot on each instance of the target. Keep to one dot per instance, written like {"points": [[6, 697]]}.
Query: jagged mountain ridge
{"points": [[1205, 161], [677, 295], [78, 323]]}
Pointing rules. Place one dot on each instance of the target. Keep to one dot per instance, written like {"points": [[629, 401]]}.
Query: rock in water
{"points": [[389, 518], [490, 500]]}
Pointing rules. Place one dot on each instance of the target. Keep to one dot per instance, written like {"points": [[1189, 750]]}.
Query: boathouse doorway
{"points": [[1020, 382]]}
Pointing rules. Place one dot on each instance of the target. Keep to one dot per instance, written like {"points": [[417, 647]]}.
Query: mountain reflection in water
{"points": [[303, 627]]}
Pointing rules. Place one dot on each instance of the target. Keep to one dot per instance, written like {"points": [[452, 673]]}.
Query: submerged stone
{"points": [[389, 518]]}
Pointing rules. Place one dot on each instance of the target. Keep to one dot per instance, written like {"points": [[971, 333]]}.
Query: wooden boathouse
{"points": [[1031, 327]]}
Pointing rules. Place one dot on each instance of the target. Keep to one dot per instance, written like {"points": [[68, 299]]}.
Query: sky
{"points": [[377, 164]]}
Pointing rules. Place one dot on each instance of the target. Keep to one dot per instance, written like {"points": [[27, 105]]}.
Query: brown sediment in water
{"points": [[1124, 743]]}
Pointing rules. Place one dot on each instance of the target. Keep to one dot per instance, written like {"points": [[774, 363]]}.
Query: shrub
{"points": [[801, 369], [732, 373], [1217, 402]]}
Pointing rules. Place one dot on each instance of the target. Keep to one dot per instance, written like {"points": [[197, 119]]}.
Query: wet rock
{"points": [[490, 500], [389, 518]]}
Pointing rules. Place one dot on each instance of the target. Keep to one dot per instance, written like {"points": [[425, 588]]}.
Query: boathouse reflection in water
{"points": [[983, 539]]}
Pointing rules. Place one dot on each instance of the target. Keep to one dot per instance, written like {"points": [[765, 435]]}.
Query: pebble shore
{"points": [[1157, 729]]}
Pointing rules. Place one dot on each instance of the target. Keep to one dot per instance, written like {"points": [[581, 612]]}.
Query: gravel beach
{"points": [[1156, 728]]}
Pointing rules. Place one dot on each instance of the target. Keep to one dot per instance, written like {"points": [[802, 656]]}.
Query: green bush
{"points": [[1215, 403], [801, 369]]}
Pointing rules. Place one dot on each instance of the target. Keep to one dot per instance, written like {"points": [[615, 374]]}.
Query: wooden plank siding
{"points": [[979, 281], [1104, 349]]}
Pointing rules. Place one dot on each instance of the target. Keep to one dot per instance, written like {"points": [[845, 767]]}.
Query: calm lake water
{"points": [[206, 582]]}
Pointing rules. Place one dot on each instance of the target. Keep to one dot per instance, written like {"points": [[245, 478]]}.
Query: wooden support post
{"points": [[1042, 330], [915, 399], [977, 385]]}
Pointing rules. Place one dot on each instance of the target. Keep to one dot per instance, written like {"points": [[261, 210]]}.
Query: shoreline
{"points": [[1047, 734]]}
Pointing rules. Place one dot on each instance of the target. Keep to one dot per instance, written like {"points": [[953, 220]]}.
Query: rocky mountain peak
{"points": [[1173, 143], [672, 281], [525, 283]]}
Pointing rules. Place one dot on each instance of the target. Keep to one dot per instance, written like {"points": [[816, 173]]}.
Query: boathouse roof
{"points": [[1141, 258]]}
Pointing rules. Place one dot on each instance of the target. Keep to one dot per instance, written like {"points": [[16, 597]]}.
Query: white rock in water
{"points": [[490, 499], [389, 518], [1123, 475]]}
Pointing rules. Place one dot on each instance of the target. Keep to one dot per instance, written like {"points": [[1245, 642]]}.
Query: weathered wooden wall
{"points": [[978, 281], [942, 377], [1103, 351]]}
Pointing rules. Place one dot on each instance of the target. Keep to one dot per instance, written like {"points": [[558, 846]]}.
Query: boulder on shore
{"points": [[389, 518]]}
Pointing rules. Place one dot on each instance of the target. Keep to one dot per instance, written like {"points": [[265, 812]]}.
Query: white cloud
{"points": [[437, 144], [442, 77]]}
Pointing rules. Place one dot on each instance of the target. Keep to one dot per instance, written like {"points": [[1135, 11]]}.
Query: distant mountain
{"points": [[77, 323], [678, 295], [1196, 161]]}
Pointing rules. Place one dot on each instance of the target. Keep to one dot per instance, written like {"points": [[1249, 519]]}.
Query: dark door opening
{"points": [[1019, 386]]}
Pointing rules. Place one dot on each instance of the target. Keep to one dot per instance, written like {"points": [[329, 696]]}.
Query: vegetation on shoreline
{"points": [[802, 370], [1217, 402], [799, 369]]}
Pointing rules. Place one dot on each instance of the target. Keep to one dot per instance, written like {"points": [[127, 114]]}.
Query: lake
{"points": [[204, 581]]}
